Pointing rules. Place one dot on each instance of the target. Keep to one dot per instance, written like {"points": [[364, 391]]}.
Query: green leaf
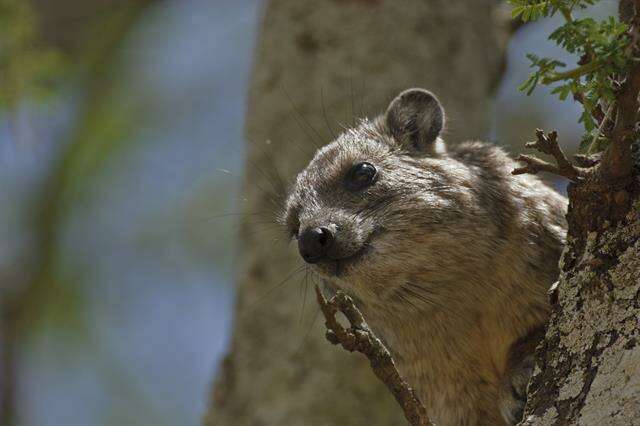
{"points": [[600, 45], [517, 11]]}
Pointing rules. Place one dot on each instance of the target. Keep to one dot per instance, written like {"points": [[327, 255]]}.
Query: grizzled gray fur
{"points": [[448, 255]]}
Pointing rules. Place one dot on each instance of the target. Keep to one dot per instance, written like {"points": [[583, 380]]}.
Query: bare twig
{"points": [[600, 129], [360, 338], [548, 144], [573, 73]]}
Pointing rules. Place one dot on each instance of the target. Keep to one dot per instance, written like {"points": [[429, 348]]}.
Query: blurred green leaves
{"points": [[82, 211], [27, 67], [546, 66], [29, 71]]}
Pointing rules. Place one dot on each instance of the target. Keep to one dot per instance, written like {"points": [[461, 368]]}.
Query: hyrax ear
{"points": [[415, 119]]}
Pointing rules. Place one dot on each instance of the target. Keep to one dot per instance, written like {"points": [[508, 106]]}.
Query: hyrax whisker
{"points": [[297, 115], [271, 290], [237, 214], [351, 96], [275, 189], [264, 152], [324, 114], [306, 334], [303, 287]]}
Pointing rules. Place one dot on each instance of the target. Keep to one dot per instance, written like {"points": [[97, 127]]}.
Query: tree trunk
{"points": [[588, 367], [339, 59]]}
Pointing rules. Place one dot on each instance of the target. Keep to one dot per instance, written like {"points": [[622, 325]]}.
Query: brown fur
{"points": [[448, 255]]}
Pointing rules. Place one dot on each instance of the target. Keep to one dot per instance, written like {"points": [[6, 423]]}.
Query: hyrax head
{"points": [[377, 205]]}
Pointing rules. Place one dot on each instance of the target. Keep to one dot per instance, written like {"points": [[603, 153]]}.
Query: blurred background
{"points": [[121, 159]]}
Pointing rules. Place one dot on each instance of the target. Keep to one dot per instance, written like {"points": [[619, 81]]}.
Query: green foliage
{"points": [[530, 10], [602, 49], [26, 67], [545, 67]]}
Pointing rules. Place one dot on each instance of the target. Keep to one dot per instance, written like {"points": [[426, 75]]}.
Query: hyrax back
{"points": [[448, 255]]}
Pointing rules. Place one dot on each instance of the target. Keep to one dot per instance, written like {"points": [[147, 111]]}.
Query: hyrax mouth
{"points": [[323, 247], [339, 267]]}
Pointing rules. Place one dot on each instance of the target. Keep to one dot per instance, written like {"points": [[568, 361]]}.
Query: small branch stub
{"points": [[548, 144], [361, 339]]}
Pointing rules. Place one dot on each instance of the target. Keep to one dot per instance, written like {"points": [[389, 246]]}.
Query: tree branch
{"points": [[617, 162], [8, 363], [548, 144], [573, 73], [360, 338]]}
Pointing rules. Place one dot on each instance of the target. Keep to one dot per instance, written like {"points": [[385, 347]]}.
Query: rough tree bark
{"points": [[588, 366], [345, 58]]}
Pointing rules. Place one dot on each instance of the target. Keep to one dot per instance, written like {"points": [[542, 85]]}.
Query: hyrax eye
{"points": [[361, 176]]}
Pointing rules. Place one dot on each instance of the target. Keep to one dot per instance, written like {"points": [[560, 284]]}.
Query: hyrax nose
{"points": [[314, 243]]}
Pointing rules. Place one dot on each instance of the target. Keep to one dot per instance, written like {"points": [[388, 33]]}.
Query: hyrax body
{"points": [[448, 255]]}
